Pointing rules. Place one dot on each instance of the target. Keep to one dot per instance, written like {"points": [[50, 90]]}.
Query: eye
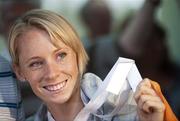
{"points": [[36, 64], [61, 55]]}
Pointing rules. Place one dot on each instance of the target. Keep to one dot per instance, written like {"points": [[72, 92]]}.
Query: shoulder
{"points": [[41, 114], [31, 118], [89, 84], [105, 42]]}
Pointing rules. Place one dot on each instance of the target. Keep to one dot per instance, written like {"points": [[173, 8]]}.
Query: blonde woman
{"points": [[47, 52]]}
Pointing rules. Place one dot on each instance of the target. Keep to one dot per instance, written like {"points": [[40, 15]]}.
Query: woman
{"points": [[47, 52]]}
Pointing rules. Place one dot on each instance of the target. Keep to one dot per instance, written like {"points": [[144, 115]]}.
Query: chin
{"points": [[60, 100]]}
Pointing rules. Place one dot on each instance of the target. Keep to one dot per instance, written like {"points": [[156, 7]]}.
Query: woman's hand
{"points": [[150, 106]]}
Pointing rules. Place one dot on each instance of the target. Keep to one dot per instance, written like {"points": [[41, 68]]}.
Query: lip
{"points": [[54, 88]]}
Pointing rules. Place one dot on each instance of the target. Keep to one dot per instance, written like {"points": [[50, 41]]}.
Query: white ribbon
{"points": [[123, 76]]}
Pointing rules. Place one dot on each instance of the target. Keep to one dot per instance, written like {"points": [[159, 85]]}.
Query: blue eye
{"points": [[61, 56]]}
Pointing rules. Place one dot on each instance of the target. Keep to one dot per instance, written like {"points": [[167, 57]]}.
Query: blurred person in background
{"points": [[97, 18], [129, 43], [10, 11], [156, 63]]}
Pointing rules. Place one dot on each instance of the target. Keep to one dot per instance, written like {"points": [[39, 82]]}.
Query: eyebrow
{"points": [[32, 58], [37, 57], [56, 50]]}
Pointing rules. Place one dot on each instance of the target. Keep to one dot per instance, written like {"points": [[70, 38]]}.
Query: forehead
{"points": [[35, 39]]}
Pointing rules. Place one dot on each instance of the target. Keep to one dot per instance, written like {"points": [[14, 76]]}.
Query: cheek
{"points": [[74, 69], [33, 77], [71, 66]]}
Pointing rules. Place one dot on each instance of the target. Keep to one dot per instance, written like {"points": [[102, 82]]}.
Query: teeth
{"points": [[56, 87]]}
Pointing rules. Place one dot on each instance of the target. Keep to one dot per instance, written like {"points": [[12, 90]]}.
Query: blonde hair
{"points": [[56, 26]]}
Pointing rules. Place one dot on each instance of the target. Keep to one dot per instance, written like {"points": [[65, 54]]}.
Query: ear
{"points": [[18, 72]]}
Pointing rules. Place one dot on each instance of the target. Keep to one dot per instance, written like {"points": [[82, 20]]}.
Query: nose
{"points": [[52, 70]]}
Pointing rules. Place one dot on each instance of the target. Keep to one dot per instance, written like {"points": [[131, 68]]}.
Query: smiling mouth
{"points": [[56, 87]]}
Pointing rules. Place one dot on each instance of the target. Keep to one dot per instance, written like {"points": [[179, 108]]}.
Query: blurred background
{"points": [[147, 31]]}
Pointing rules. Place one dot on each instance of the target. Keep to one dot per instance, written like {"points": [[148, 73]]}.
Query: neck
{"points": [[66, 111]]}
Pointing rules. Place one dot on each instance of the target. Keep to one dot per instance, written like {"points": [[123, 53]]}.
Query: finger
{"points": [[144, 98], [145, 82], [144, 88], [153, 106]]}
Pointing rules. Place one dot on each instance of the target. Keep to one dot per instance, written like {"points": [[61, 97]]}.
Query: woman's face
{"points": [[52, 72]]}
